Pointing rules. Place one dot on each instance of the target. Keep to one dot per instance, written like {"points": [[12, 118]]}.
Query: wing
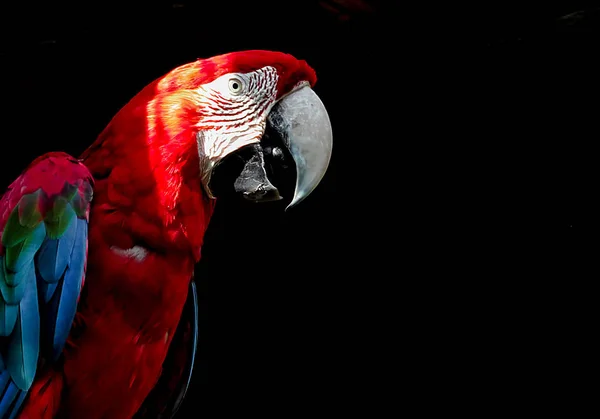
{"points": [[168, 394], [43, 229]]}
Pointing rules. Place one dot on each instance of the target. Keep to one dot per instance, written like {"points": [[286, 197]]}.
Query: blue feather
{"points": [[69, 292], [8, 318], [46, 290], [17, 404], [194, 345], [55, 253], [51, 311], [24, 343], [46, 260], [4, 378], [195, 330], [65, 247], [7, 398]]}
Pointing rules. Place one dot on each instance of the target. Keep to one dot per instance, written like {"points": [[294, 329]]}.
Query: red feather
{"points": [[45, 394], [148, 194]]}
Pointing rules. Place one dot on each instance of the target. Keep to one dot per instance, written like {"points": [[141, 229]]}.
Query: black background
{"points": [[448, 234]]}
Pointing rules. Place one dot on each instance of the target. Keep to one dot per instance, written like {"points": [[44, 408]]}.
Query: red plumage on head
{"points": [[194, 74]]}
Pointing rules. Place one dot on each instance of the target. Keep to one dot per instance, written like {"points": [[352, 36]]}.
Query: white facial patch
{"points": [[234, 109]]}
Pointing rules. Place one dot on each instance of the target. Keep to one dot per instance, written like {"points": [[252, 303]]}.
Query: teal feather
{"points": [[8, 318], [13, 294], [24, 344]]}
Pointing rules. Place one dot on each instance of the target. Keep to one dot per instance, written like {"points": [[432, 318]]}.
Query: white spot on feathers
{"points": [[137, 253]]}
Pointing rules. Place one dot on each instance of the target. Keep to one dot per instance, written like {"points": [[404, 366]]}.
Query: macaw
{"points": [[98, 310]]}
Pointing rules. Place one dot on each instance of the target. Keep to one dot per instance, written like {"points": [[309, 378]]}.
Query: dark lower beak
{"points": [[253, 182]]}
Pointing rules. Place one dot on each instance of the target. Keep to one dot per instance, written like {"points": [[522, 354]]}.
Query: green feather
{"points": [[29, 209], [14, 232], [59, 204], [17, 256], [55, 227], [69, 190], [79, 205]]}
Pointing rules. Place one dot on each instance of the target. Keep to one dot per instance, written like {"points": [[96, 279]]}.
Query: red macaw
{"points": [[97, 319]]}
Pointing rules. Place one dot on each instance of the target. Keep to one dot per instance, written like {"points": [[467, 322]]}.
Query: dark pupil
{"points": [[234, 85]]}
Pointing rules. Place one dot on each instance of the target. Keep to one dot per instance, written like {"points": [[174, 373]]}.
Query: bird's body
{"points": [[149, 171], [143, 244]]}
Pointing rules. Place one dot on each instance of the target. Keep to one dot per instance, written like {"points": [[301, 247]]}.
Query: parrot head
{"points": [[239, 107]]}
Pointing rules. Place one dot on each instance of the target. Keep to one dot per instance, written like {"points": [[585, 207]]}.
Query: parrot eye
{"points": [[236, 86]]}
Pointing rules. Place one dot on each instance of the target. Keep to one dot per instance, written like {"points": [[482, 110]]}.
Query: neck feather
{"points": [[147, 168]]}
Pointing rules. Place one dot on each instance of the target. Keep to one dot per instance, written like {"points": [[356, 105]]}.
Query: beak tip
{"points": [[298, 197]]}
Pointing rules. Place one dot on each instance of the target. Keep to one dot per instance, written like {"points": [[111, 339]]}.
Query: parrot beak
{"points": [[301, 121], [298, 127]]}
